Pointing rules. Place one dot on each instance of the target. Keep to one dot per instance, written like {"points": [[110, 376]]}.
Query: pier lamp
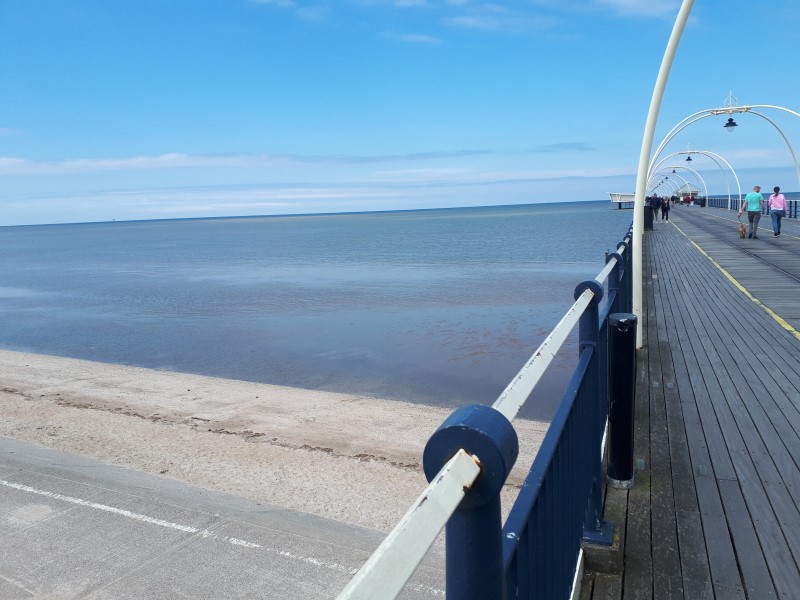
{"points": [[689, 158], [730, 124]]}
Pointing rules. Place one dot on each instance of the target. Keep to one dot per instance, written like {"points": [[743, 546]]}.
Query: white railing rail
{"points": [[391, 565], [514, 396], [396, 559]]}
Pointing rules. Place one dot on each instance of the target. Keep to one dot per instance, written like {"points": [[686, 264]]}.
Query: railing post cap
{"points": [[484, 433], [591, 284], [612, 255]]}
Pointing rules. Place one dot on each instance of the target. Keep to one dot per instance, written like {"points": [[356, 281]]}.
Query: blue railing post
{"points": [[474, 559], [595, 530]]}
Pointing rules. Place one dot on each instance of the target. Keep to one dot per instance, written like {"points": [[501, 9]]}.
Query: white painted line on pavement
{"points": [[204, 533], [126, 513]]}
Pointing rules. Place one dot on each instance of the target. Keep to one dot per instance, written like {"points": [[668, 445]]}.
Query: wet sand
{"points": [[350, 458]]}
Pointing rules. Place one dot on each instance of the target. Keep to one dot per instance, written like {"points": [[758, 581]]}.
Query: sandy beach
{"points": [[350, 458]]}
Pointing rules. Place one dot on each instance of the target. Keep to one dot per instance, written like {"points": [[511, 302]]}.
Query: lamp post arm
{"points": [[650, 181], [686, 183], [699, 178], [690, 120], [644, 155], [735, 176], [708, 112], [712, 156], [791, 112], [788, 145]]}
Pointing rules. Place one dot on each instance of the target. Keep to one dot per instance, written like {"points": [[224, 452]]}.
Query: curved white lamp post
{"points": [[665, 180], [675, 187], [673, 174], [716, 158], [730, 107], [700, 180], [671, 185], [644, 155], [665, 173]]}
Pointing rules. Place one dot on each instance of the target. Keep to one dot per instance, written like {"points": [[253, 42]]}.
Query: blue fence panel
{"points": [[547, 524], [560, 504]]}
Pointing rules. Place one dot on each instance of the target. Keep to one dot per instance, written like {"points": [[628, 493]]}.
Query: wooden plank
{"points": [[726, 579], [638, 576], [607, 587], [694, 558], [756, 416], [721, 554], [667, 579], [717, 422], [755, 573], [695, 571]]}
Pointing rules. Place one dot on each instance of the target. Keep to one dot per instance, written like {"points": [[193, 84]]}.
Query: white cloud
{"points": [[416, 38], [313, 13], [459, 176], [21, 166], [491, 17], [278, 3], [638, 8]]}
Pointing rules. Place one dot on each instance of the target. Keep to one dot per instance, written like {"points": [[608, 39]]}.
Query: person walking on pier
{"points": [[665, 210], [657, 204], [754, 202], [777, 210]]}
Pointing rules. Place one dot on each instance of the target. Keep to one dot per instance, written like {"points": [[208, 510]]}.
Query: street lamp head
{"points": [[673, 170], [730, 124], [689, 158]]}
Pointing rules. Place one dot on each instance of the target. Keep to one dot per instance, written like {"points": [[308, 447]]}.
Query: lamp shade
{"points": [[730, 124]]}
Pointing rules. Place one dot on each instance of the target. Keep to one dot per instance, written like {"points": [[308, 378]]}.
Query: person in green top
{"points": [[754, 202]]}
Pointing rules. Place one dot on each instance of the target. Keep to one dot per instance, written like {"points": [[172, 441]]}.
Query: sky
{"points": [[151, 109]]}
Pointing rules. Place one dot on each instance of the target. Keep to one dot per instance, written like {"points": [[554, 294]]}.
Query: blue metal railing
{"points": [[792, 206], [560, 505], [791, 209]]}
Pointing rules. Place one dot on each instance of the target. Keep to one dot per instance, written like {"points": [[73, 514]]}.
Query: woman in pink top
{"points": [[777, 209]]}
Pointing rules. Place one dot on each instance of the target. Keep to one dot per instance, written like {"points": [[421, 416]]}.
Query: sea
{"points": [[440, 307]]}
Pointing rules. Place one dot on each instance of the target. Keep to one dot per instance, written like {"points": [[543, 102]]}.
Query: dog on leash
{"points": [[742, 230]]}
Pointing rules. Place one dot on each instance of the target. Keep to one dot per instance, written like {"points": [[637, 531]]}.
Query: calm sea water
{"points": [[439, 306]]}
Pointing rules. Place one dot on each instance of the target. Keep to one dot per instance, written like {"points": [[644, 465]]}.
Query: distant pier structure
{"points": [[622, 200]]}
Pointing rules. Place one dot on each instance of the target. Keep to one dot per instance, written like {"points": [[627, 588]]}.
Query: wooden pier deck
{"points": [[715, 508]]}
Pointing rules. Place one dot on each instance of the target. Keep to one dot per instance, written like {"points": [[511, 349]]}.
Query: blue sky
{"points": [[191, 108]]}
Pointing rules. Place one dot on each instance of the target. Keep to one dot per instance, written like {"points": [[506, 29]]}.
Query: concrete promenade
{"points": [[71, 527]]}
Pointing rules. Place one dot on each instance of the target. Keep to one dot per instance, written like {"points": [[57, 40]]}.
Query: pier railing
{"points": [[792, 206], [467, 460]]}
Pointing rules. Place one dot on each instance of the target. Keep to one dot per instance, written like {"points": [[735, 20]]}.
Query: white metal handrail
{"points": [[396, 559], [517, 392], [603, 275]]}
